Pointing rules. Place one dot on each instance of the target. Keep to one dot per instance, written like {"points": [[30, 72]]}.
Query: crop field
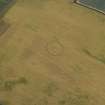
{"points": [[52, 52]]}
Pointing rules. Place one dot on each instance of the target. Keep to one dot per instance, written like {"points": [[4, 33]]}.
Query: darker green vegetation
{"points": [[50, 89], [4, 2], [75, 98], [4, 102], [8, 85]]}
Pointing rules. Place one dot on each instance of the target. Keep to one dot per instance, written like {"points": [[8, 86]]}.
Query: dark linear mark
{"points": [[87, 52]]}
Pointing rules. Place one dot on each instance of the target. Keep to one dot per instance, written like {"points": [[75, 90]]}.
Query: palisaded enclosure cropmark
{"points": [[98, 5], [5, 5]]}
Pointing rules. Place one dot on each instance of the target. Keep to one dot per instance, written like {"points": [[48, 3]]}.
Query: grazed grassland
{"points": [[53, 48]]}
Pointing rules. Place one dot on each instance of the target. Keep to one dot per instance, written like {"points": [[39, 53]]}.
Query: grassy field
{"points": [[52, 53]]}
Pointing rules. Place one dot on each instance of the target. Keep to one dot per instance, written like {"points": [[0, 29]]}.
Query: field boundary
{"points": [[87, 6]]}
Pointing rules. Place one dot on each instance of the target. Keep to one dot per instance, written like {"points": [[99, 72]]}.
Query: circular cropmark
{"points": [[54, 47]]}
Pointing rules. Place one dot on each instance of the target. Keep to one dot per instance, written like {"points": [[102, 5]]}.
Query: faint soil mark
{"points": [[3, 27], [58, 71], [43, 101], [27, 53], [77, 72], [9, 72], [35, 47], [55, 47], [77, 69], [34, 28]]}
